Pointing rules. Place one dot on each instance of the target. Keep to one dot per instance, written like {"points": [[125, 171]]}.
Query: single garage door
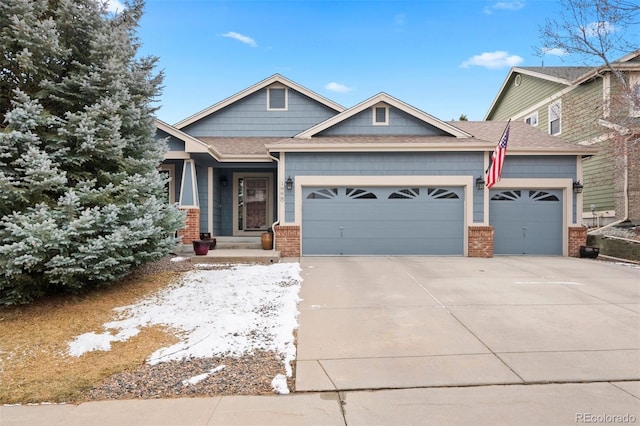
{"points": [[383, 221], [526, 221]]}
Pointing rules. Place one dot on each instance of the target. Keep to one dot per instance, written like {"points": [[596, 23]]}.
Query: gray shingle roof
{"points": [[566, 73], [522, 136], [486, 135]]}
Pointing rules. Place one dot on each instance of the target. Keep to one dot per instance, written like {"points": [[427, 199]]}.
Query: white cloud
{"points": [[493, 60], [595, 28], [337, 87], [556, 51], [114, 6], [504, 5], [241, 38]]}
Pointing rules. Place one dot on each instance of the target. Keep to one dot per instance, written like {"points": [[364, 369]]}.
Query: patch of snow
{"points": [[197, 379], [98, 342], [279, 385], [178, 259], [214, 312]]}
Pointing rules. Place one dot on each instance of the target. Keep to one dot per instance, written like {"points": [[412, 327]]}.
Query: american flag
{"points": [[497, 159]]}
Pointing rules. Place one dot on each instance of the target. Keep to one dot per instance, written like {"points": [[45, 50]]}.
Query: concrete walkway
{"points": [[445, 341]]}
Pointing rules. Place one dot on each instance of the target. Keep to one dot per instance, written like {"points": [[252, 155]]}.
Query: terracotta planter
{"points": [[267, 241], [200, 247]]}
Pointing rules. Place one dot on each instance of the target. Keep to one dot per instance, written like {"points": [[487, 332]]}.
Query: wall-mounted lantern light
{"points": [[289, 183], [577, 187], [479, 184], [224, 181]]}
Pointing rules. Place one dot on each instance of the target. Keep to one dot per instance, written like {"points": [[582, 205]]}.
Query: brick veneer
{"points": [[288, 240], [480, 241], [577, 238], [191, 231]]}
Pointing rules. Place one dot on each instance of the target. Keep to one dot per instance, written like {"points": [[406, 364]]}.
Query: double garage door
{"points": [[425, 221], [383, 221]]}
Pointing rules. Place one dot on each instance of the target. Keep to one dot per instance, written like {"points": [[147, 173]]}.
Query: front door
{"points": [[253, 203]]}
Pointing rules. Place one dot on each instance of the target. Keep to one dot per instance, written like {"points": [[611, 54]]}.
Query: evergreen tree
{"points": [[81, 199]]}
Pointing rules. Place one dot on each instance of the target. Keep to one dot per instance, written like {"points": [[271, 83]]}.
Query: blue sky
{"points": [[445, 57]]}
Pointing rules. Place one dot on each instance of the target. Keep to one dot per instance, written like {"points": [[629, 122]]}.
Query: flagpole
{"points": [[501, 136]]}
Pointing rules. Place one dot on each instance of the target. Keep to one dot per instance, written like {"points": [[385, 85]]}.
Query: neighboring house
{"points": [[380, 178], [583, 105]]}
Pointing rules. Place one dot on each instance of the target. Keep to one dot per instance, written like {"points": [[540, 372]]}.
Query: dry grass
{"points": [[34, 364]]}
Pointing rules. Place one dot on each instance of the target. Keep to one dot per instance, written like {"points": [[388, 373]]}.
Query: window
{"points": [[277, 98], [380, 116], [555, 117], [168, 171], [532, 119]]}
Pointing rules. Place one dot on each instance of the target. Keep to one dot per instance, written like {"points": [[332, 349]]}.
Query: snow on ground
{"points": [[214, 312]]}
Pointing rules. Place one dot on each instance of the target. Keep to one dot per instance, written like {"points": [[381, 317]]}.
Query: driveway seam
{"points": [[465, 327]]}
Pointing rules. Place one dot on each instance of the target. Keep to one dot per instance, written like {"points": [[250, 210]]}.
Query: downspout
{"points": [[277, 222]]}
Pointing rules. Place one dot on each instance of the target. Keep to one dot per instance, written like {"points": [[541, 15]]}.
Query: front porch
{"points": [[233, 250]]}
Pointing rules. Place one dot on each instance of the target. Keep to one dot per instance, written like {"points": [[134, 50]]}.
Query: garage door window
{"points": [[323, 194], [440, 193], [533, 195], [355, 193], [405, 194]]}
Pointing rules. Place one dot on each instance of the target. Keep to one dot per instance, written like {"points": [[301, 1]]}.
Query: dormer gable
{"points": [[274, 107], [382, 114]]}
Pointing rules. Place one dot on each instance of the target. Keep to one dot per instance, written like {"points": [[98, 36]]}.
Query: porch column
{"points": [[189, 203]]}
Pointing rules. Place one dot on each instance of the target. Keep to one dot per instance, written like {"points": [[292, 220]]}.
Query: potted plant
{"points": [[200, 247], [206, 236]]}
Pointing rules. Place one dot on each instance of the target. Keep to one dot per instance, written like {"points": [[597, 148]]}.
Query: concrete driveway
{"points": [[413, 322]]}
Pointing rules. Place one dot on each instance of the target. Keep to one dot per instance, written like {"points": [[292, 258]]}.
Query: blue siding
{"points": [[250, 117], [173, 143], [539, 166], [385, 164], [400, 123]]}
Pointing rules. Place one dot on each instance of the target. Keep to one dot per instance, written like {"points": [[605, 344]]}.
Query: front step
{"points": [[238, 243]]}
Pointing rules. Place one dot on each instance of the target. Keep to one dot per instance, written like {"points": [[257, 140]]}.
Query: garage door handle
{"points": [[524, 232], [341, 229]]}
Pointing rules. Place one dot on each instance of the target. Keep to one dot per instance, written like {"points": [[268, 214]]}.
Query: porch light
{"points": [[479, 184], [224, 181], [577, 187], [289, 183]]}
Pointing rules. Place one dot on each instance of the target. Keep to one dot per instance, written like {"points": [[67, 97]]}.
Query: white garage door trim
{"points": [[467, 182]]}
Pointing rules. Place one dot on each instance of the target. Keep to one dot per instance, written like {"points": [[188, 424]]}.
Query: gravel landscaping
{"points": [[248, 374]]}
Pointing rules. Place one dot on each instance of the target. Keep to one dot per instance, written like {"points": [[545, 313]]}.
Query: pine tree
{"points": [[81, 199]]}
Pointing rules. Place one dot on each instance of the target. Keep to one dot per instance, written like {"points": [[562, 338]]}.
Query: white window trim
{"points": [[552, 105], [171, 169], [286, 98], [534, 115], [386, 115]]}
